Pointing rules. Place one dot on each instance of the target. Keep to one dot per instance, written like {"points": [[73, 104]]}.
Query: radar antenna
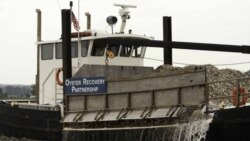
{"points": [[124, 13]]}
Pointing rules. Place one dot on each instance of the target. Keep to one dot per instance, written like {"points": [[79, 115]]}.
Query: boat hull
{"points": [[30, 123], [230, 124]]}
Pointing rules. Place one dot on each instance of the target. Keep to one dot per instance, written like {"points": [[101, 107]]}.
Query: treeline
{"points": [[17, 91], [248, 73]]}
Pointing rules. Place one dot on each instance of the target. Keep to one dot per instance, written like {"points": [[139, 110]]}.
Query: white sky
{"points": [[208, 21]]}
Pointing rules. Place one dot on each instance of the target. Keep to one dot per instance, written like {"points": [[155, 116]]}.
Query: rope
{"points": [[179, 63]]}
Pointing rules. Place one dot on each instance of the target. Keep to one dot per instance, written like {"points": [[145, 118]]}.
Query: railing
{"points": [[233, 92]]}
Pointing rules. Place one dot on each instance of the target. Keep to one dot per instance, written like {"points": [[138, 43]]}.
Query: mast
{"points": [[78, 32], [39, 38], [78, 36], [124, 13]]}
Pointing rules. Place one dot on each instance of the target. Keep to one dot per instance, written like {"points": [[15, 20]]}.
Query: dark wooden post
{"points": [[167, 36], [66, 48]]}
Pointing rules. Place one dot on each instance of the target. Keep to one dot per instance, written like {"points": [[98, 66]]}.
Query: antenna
{"points": [[125, 5], [124, 13]]}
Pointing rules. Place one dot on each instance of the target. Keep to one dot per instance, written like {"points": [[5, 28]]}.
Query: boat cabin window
{"points": [[47, 51], [125, 51], [84, 48], [58, 50], [98, 48], [74, 50], [137, 51]]}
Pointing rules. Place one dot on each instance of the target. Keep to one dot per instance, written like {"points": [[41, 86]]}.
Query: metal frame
{"points": [[178, 45], [238, 80]]}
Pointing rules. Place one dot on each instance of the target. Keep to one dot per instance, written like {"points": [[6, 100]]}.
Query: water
{"points": [[193, 131], [4, 138]]}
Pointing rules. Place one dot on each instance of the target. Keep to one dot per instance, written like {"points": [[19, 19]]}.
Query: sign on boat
{"points": [[85, 85]]}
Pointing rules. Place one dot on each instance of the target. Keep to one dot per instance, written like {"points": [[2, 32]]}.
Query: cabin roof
{"points": [[95, 34]]}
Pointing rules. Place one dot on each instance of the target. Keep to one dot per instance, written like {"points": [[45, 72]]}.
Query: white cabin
{"points": [[87, 51]]}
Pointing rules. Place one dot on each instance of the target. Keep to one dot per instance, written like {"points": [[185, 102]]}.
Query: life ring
{"points": [[242, 98], [58, 81]]}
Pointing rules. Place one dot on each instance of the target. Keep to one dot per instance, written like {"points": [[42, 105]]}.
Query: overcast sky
{"points": [[209, 21]]}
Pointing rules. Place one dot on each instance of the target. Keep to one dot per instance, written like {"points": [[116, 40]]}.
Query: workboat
{"points": [[93, 86]]}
